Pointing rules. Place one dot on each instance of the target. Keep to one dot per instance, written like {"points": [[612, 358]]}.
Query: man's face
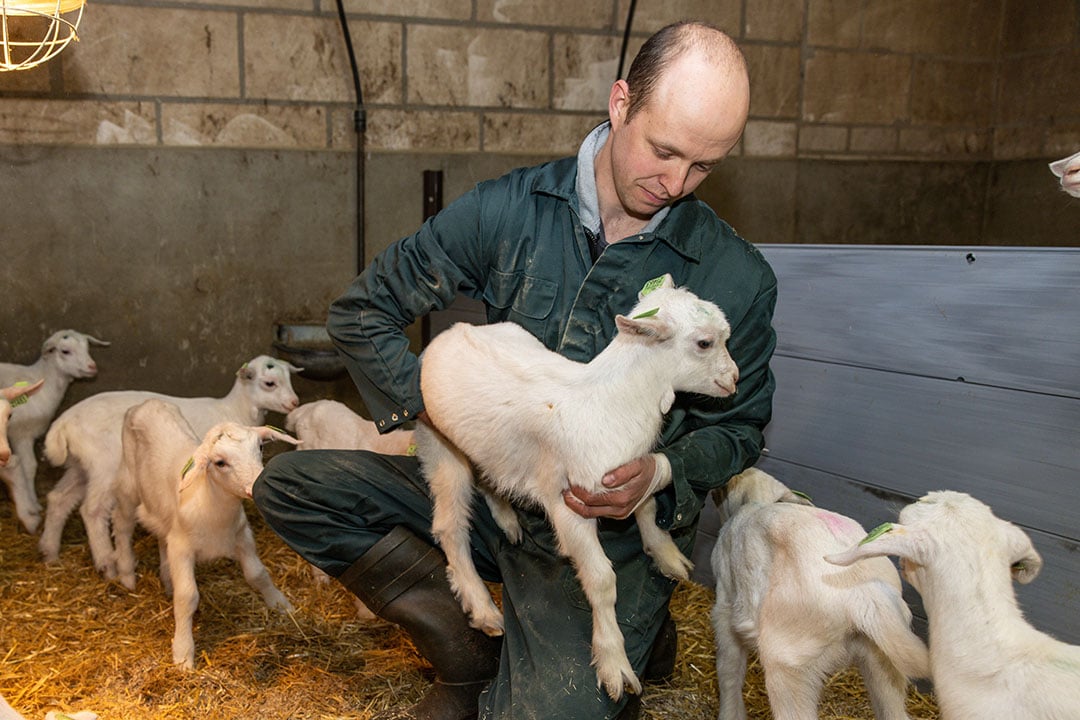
{"points": [[672, 143]]}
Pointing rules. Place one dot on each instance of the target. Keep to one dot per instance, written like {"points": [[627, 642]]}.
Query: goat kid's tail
{"points": [[56, 443], [885, 619]]}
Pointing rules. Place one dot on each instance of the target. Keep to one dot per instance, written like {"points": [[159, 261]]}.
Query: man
{"points": [[560, 249]]}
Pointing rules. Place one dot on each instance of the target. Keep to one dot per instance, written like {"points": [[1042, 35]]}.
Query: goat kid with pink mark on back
{"points": [[986, 660], [534, 422], [189, 491], [805, 618]]}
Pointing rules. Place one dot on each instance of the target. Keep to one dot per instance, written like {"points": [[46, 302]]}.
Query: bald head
{"points": [[714, 56]]}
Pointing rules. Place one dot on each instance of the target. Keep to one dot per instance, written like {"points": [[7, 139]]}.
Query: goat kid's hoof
{"points": [[490, 622], [617, 678], [674, 565]]}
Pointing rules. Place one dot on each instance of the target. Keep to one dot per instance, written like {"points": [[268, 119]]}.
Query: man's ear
{"points": [[618, 103]]}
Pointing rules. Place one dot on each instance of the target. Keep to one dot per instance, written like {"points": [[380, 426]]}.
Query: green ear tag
{"points": [[411, 450], [190, 464], [647, 313], [651, 285], [275, 429], [876, 532], [803, 495]]}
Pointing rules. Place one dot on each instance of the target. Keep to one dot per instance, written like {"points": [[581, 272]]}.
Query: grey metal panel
{"points": [[1001, 316], [1016, 451]]}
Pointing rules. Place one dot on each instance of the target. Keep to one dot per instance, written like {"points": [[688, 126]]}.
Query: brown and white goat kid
{"points": [[534, 422], [189, 493], [986, 660]]}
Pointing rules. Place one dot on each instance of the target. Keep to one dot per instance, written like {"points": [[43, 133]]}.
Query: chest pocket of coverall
{"points": [[521, 298]]}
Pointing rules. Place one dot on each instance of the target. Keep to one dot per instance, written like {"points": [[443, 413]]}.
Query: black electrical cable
{"points": [[360, 126], [625, 37]]}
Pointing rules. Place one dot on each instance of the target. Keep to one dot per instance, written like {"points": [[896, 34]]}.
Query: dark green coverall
{"points": [[517, 244]]}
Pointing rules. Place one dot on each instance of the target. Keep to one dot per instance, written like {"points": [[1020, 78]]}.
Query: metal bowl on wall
{"points": [[308, 346]]}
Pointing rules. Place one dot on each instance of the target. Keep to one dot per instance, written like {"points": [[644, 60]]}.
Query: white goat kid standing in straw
{"points": [[985, 659], [805, 618], [535, 422], [85, 439], [189, 491], [65, 356]]}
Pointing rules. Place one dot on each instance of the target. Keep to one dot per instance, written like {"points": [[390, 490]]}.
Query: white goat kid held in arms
{"points": [[85, 439], [534, 422], [986, 660], [805, 619], [65, 356], [189, 491]]}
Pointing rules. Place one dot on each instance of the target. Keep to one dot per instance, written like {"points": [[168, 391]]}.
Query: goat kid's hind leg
{"points": [[659, 545], [730, 663], [255, 572], [794, 688], [578, 540], [885, 685], [451, 484], [66, 495]]}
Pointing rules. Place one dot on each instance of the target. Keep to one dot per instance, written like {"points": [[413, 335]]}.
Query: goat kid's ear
{"points": [[885, 539], [1026, 563], [17, 390], [664, 281], [647, 327], [196, 464], [94, 341], [268, 433], [246, 372]]}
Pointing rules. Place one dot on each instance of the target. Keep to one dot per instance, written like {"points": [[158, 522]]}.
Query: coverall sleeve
{"points": [[415, 275]]}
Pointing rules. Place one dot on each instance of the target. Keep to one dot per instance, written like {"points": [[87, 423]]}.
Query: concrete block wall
{"points": [[183, 178], [984, 79]]}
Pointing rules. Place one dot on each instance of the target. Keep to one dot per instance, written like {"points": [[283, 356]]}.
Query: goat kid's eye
{"points": [[705, 344], [221, 463]]}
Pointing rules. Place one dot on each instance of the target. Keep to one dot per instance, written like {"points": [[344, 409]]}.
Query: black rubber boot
{"points": [[402, 579], [661, 664]]}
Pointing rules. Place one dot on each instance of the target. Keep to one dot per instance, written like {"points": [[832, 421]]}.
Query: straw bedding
{"points": [[70, 641]]}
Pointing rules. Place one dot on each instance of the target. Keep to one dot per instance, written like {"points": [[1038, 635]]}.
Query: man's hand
{"points": [[627, 487]]}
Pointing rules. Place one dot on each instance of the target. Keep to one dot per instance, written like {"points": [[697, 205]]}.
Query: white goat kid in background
{"points": [[85, 439], [534, 423], [331, 425], [805, 618], [189, 493], [986, 660], [65, 356], [1068, 169]]}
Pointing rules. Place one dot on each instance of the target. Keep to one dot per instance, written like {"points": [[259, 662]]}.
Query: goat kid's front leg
{"points": [[658, 544], [181, 566], [255, 572], [578, 541], [123, 523], [27, 507], [452, 486]]}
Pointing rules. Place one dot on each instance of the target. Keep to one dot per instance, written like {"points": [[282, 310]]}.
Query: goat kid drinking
{"points": [[549, 423]]}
